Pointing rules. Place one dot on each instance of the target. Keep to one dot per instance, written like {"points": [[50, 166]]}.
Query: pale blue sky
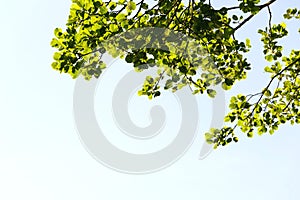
{"points": [[41, 156]]}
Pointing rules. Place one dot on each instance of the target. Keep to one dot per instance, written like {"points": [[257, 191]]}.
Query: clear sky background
{"points": [[41, 156]]}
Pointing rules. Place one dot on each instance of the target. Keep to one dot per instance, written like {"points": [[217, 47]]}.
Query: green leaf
{"points": [[58, 32], [103, 9], [225, 86], [112, 5], [56, 56], [113, 28], [268, 93], [54, 42], [120, 17], [144, 6], [211, 93], [236, 139], [268, 69], [248, 44], [269, 57], [131, 5]]}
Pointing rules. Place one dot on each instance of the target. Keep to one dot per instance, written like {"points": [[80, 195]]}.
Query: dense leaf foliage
{"points": [[202, 30]]}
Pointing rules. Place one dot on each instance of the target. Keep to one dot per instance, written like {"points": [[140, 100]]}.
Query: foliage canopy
{"points": [[92, 22]]}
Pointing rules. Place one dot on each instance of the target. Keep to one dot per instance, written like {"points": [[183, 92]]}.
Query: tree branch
{"points": [[269, 84], [252, 15]]}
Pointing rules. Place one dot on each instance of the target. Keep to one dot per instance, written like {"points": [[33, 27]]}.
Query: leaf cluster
{"points": [[190, 45]]}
